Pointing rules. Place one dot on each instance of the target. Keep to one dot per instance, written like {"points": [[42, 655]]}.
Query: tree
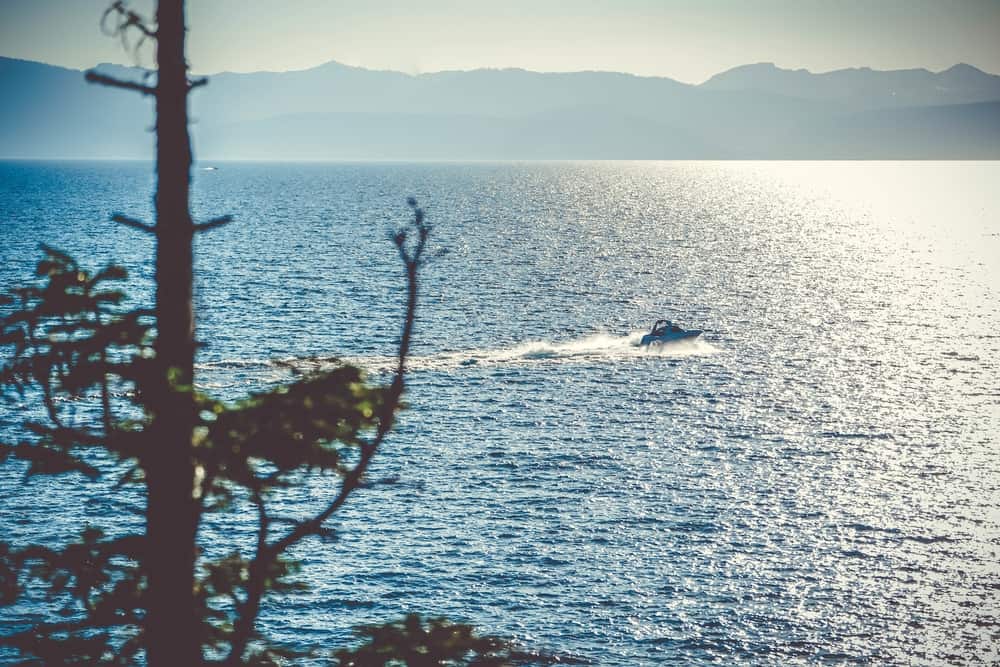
{"points": [[149, 597]]}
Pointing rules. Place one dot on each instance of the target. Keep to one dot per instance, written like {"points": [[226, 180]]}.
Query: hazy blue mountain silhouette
{"points": [[51, 112], [864, 88], [339, 112]]}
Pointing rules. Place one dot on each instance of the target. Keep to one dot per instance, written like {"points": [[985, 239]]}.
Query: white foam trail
{"points": [[596, 347], [593, 348]]}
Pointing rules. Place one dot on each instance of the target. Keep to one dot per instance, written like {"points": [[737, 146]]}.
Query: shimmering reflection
{"points": [[818, 480]]}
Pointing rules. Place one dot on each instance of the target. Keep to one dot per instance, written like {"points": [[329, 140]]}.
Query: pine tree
{"points": [[148, 597]]}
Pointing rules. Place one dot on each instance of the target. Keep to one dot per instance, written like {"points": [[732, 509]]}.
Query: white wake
{"points": [[595, 348], [592, 348]]}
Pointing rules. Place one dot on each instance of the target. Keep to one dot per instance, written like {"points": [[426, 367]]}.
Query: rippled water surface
{"points": [[817, 479]]}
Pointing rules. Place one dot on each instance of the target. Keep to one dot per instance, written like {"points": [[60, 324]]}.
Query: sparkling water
{"points": [[815, 479]]}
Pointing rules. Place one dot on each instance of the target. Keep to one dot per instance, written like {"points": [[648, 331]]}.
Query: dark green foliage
{"points": [[290, 427], [96, 584], [437, 642], [67, 337], [415, 643]]}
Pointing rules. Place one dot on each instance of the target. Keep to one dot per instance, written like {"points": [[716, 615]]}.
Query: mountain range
{"points": [[335, 111]]}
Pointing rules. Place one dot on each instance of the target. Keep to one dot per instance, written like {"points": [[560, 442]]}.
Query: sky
{"points": [[687, 40]]}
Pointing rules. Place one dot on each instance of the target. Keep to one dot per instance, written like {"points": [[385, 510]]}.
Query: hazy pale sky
{"points": [[688, 40]]}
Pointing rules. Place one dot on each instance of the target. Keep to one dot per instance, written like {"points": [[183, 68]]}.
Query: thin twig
{"points": [[255, 588], [133, 223], [126, 19], [131, 20], [213, 223], [412, 260], [104, 80]]}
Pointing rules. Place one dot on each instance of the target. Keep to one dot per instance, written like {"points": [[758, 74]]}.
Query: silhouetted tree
{"points": [[150, 597]]}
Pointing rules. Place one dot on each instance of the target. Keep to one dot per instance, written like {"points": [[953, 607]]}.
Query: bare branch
{"points": [[125, 18], [412, 258], [196, 83], [93, 76], [133, 20], [117, 6], [213, 223], [133, 223], [266, 553]]}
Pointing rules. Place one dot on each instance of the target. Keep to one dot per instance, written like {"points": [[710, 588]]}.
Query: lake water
{"points": [[816, 480]]}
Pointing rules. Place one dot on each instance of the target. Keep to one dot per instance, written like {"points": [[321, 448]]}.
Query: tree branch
{"points": [[197, 83], [126, 18], [129, 19], [135, 21], [412, 258], [93, 76], [133, 223], [213, 223]]}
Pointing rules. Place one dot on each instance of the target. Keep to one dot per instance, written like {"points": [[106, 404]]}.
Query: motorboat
{"points": [[665, 331]]}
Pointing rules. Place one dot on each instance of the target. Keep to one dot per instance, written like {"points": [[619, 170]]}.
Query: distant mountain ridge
{"points": [[865, 88], [336, 111]]}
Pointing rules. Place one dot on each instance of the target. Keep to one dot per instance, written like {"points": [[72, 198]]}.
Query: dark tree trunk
{"points": [[172, 514]]}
